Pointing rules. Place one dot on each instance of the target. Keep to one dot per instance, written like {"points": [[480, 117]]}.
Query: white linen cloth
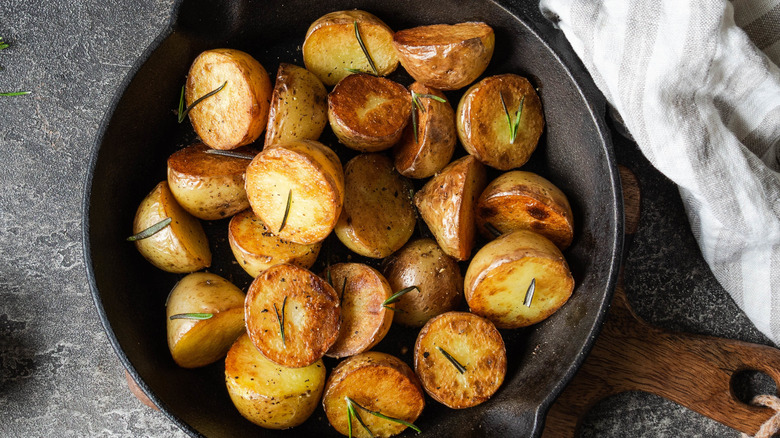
{"points": [[696, 83]]}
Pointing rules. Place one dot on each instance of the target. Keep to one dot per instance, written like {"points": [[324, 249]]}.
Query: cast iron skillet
{"points": [[140, 132]]}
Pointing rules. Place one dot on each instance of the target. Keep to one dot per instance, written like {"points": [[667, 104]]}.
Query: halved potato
{"points": [[299, 106], [256, 248], [368, 113], [364, 322], [331, 48], [474, 343], [198, 342], [236, 115], [520, 200], [305, 174], [447, 57], [482, 122], [378, 382], [292, 315], [500, 275], [436, 135], [436, 275], [446, 204], [378, 216], [182, 246], [270, 395]]}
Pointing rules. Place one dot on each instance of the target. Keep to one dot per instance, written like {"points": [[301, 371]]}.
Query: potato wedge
{"points": [[378, 382], [364, 321], [482, 122], [270, 395], [236, 115], [500, 274], [256, 248], [447, 57], [331, 48], [198, 342], [368, 113], [446, 204], [292, 315], [520, 200], [182, 246], [474, 343], [437, 277], [299, 106], [378, 216], [435, 142], [305, 174]]}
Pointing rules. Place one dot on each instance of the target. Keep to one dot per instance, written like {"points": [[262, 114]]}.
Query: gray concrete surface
{"points": [[58, 373]]}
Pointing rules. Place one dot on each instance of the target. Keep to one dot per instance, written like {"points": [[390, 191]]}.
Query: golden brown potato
{"points": [[446, 204], [368, 113], [378, 382], [378, 216], [267, 394], [299, 106], [500, 275], [331, 48], [236, 115], [447, 57], [196, 342], [482, 122], [472, 342], [364, 322], [292, 315], [519, 200], [436, 275], [305, 174], [182, 246], [432, 149], [257, 249]]}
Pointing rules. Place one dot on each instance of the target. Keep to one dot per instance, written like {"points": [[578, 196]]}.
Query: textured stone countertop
{"points": [[58, 373]]}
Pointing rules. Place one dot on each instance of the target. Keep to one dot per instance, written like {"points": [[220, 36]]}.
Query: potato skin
{"points": [[524, 200], [437, 276], [267, 394], [447, 57], [182, 246], [482, 126], [299, 108], [436, 136], [236, 115]]}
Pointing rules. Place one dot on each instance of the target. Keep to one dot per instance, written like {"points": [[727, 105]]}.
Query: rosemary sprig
{"points": [[417, 105], [286, 211], [452, 360], [363, 47], [197, 316], [353, 404], [151, 231], [396, 296], [529, 294], [493, 230], [352, 412], [231, 154], [512, 125], [280, 318], [183, 112]]}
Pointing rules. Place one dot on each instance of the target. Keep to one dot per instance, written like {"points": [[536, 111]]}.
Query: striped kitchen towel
{"points": [[697, 85]]}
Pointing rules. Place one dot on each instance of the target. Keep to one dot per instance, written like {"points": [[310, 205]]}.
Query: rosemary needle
{"points": [[286, 211], [183, 112], [198, 316], [452, 360], [151, 231], [365, 50], [396, 296], [529, 294], [231, 154], [280, 318]]}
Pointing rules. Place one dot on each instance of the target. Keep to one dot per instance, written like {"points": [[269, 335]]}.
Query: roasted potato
{"points": [[432, 148], [307, 176], [299, 106], [236, 115], [483, 125], [256, 248], [378, 216], [471, 342], [436, 276], [292, 315], [447, 57], [364, 321], [196, 342], [378, 382], [331, 49], [270, 395], [181, 247], [519, 200], [499, 277], [368, 113], [446, 204]]}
